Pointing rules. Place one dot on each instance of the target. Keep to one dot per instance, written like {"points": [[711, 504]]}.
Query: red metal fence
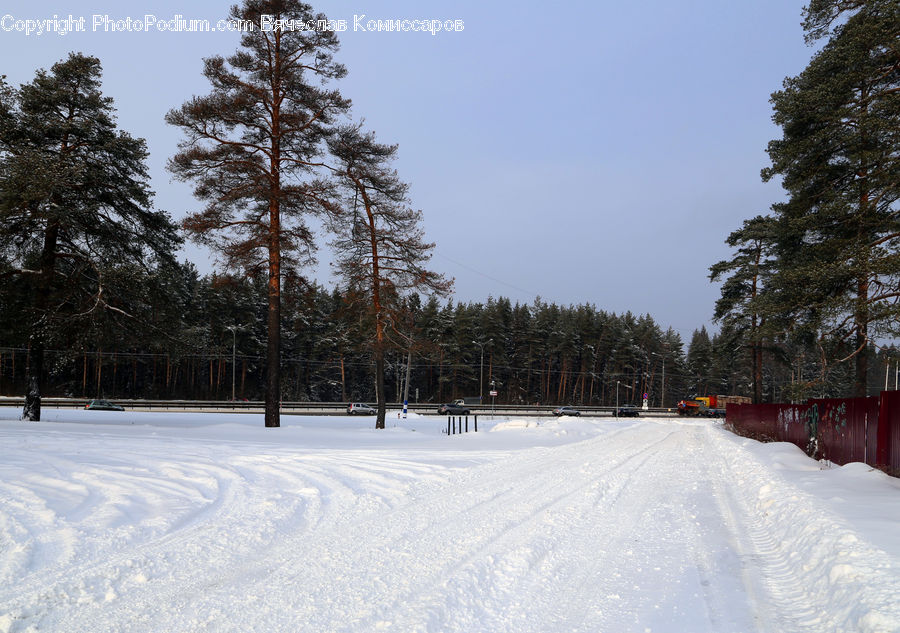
{"points": [[842, 430]]}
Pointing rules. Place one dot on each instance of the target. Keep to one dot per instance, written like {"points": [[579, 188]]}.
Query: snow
{"points": [[174, 522]]}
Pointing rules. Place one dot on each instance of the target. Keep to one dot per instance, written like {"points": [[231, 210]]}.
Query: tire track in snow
{"points": [[653, 526], [240, 523], [818, 573], [412, 581]]}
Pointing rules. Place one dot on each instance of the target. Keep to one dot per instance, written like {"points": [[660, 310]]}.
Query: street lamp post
{"points": [[493, 391], [481, 374]]}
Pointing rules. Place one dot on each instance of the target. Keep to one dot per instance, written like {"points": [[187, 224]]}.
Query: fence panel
{"points": [[888, 442], [873, 413], [847, 429], [842, 428], [778, 422], [791, 424], [757, 420]]}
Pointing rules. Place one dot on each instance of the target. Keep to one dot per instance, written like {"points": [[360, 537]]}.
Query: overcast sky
{"points": [[590, 152]]}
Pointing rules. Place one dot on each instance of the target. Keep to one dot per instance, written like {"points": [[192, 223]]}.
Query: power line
{"points": [[485, 275]]}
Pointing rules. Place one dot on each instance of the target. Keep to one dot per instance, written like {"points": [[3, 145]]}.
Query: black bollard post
{"points": [[454, 425], [467, 424], [448, 425], [476, 423]]}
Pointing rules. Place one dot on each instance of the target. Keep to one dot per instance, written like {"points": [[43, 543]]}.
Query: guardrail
{"points": [[317, 408]]}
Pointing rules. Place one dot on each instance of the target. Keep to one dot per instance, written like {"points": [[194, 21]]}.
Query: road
{"points": [[648, 527]]}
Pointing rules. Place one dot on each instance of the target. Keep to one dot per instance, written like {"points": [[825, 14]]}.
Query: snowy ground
{"points": [[174, 522]]}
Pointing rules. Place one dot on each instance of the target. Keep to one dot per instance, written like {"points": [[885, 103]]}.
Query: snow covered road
{"points": [[175, 524]]}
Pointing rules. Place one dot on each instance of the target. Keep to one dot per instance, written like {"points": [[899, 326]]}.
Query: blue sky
{"points": [[592, 152]]}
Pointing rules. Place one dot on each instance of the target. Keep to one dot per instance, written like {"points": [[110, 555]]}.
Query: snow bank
{"points": [[516, 425], [832, 532]]}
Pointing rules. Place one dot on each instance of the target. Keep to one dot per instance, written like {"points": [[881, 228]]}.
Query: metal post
{"points": [[406, 388], [493, 390], [481, 377], [481, 373]]}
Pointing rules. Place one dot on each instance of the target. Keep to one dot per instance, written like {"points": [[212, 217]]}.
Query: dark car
{"points": [[561, 411], [627, 411], [102, 405], [358, 408], [452, 409]]}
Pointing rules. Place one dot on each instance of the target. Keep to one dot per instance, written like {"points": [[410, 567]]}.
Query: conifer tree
{"points": [[838, 233], [699, 361], [383, 252], [254, 147], [738, 308], [74, 202]]}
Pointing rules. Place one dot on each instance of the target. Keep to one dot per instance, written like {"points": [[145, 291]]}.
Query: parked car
{"points": [[451, 408], [102, 405], [358, 408], [627, 411], [561, 411]]}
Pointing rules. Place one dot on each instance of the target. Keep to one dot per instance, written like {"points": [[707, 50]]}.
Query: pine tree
{"points": [[254, 149], [699, 362], [737, 308], [838, 234], [382, 252], [75, 205]]}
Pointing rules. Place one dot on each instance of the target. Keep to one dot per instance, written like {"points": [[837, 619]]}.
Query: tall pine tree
{"points": [[838, 272], [382, 255], [254, 149]]}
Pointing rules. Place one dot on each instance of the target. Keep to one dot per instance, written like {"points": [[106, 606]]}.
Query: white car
{"points": [[358, 408]]}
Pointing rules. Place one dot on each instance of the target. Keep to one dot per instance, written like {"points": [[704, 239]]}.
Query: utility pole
{"points": [[481, 374], [406, 388]]}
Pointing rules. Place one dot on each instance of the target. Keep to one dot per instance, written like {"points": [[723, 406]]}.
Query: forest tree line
{"points": [[189, 327]]}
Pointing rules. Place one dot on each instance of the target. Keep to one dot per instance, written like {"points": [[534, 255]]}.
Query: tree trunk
{"points": [[757, 374], [860, 384], [273, 321], [379, 385], [32, 409], [99, 373], [343, 381], [273, 349]]}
